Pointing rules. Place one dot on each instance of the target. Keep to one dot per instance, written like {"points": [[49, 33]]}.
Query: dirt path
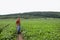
{"points": [[19, 37]]}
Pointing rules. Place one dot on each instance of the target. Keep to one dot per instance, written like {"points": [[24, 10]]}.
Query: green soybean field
{"points": [[32, 29]]}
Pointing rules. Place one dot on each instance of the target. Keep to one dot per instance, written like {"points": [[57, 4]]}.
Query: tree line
{"points": [[27, 15]]}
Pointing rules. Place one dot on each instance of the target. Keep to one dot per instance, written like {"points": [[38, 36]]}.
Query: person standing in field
{"points": [[19, 36], [18, 25]]}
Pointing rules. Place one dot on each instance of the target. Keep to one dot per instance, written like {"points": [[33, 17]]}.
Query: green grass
{"points": [[32, 29]]}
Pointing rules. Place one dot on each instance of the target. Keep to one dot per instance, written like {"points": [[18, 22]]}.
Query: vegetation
{"points": [[28, 15], [32, 29]]}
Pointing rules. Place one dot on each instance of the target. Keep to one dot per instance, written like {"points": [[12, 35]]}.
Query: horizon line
{"points": [[28, 12]]}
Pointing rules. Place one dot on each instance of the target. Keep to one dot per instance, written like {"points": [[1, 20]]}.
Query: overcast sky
{"points": [[19, 6]]}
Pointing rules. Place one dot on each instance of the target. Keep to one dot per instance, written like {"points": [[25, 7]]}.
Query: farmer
{"points": [[18, 25]]}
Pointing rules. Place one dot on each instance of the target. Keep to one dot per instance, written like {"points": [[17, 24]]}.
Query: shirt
{"points": [[18, 21]]}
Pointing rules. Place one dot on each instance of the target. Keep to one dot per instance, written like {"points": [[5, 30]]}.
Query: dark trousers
{"points": [[18, 29]]}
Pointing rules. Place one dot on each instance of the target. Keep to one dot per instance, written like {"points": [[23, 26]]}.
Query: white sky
{"points": [[19, 6]]}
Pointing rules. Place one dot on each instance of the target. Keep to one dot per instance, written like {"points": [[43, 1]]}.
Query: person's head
{"points": [[18, 16]]}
